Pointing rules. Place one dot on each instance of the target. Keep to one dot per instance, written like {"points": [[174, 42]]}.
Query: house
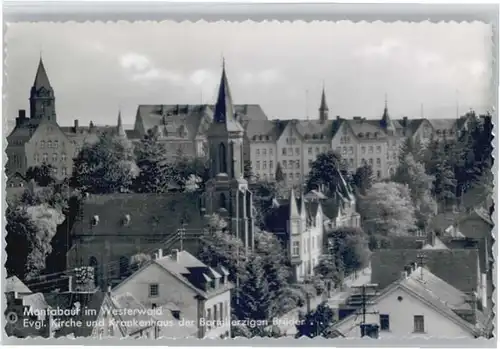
{"points": [[16, 287], [112, 228], [299, 225], [417, 305], [181, 285], [444, 263]]}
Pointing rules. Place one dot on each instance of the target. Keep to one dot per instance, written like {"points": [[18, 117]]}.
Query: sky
{"points": [[97, 69]]}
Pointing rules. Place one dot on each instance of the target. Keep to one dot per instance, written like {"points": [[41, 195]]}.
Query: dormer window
{"points": [[95, 220], [176, 314], [360, 135], [367, 134], [254, 138]]}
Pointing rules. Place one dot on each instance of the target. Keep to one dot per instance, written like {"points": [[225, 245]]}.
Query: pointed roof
{"points": [[41, 78], [386, 121], [119, 126], [323, 105], [224, 112], [294, 211]]}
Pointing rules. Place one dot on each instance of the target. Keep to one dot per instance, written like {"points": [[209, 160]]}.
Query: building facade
{"points": [[227, 192], [299, 225], [182, 284]]}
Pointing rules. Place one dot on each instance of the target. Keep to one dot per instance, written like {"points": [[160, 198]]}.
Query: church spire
{"points": [[119, 126], [41, 78], [323, 108], [386, 122], [224, 109]]}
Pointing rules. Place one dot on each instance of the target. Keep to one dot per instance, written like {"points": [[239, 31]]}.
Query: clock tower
{"points": [[227, 192], [42, 100]]}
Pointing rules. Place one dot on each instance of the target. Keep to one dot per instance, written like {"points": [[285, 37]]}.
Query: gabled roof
{"points": [[387, 264], [365, 129], [13, 284], [443, 124], [431, 291], [151, 214]]}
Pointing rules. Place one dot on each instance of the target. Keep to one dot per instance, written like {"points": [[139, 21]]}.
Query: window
{"points": [[56, 144], [296, 248], [310, 162], [64, 171], [63, 157], [271, 165], [290, 151], [54, 157], [42, 144], [378, 162], [379, 174], [317, 150], [309, 150], [258, 165], [49, 144], [264, 165], [37, 158], [290, 175], [54, 171], [215, 314], [324, 149], [283, 151], [370, 149], [111, 330], [209, 317], [297, 164], [363, 150], [153, 290], [264, 152], [257, 152], [297, 175], [394, 156], [379, 149], [284, 164], [351, 162], [290, 163], [351, 150], [418, 324], [270, 151], [370, 161], [297, 151], [384, 322]]}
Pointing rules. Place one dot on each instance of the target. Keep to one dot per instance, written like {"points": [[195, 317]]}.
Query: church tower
{"points": [[42, 100], [323, 108], [119, 131], [227, 192], [386, 122]]}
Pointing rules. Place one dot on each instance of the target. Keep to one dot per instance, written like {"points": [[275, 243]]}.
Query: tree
{"points": [[186, 168], [363, 179], [280, 176], [153, 165], [326, 170], [349, 249], [388, 210], [255, 297], [412, 147], [276, 267], [263, 194], [107, 166], [30, 230], [316, 323], [217, 247], [43, 175], [412, 173]]}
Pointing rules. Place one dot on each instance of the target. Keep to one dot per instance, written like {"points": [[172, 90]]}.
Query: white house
{"points": [[193, 297], [419, 305], [299, 226]]}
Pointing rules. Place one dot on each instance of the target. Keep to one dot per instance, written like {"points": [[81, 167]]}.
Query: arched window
{"points": [[123, 266], [222, 201], [233, 160], [222, 158]]}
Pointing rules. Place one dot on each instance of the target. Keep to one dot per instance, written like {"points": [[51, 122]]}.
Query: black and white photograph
{"points": [[222, 180]]}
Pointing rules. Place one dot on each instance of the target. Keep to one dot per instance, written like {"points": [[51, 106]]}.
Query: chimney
{"points": [[175, 255], [405, 122], [109, 289], [160, 253], [404, 274], [76, 125], [21, 117]]}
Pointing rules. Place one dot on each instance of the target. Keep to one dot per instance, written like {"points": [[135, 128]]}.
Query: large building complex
{"points": [[293, 143]]}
